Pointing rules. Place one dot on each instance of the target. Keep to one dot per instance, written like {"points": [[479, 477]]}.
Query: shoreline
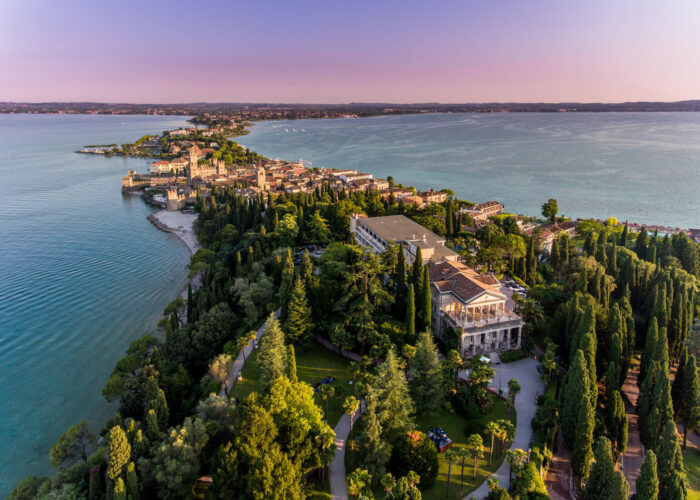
{"points": [[179, 224]]}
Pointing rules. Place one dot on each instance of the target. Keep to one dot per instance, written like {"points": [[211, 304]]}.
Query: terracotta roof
{"points": [[463, 282]]}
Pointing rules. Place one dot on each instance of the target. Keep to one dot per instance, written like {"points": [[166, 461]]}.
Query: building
{"points": [[549, 233], [434, 196], [377, 232], [483, 211], [473, 305], [160, 167]]}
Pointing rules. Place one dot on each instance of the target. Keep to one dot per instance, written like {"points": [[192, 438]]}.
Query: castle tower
{"points": [[260, 177], [220, 167], [173, 202], [193, 158]]}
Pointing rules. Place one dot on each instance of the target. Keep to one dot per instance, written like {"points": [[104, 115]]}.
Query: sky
{"points": [[338, 51]]}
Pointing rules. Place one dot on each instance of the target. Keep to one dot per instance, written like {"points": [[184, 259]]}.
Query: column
{"points": [[520, 332]]}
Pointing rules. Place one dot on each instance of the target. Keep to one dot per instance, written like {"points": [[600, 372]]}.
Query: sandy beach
{"points": [[179, 224]]}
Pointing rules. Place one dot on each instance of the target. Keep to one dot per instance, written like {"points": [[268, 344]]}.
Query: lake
{"points": [[641, 167], [82, 274]]}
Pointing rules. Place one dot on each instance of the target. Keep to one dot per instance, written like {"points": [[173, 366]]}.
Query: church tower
{"points": [[193, 158], [260, 176]]}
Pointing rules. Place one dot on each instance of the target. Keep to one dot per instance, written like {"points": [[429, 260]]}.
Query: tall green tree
{"points": [[417, 270], [72, 446], [604, 480], [395, 406], [575, 391], [119, 452], [400, 281], [688, 402], [648, 481], [671, 471], [287, 284], [298, 324], [616, 421], [582, 452], [425, 380], [372, 446], [272, 353], [411, 312], [425, 304], [550, 209]]}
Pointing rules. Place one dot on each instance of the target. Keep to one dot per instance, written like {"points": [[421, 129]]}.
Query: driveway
{"points": [[525, 372]]}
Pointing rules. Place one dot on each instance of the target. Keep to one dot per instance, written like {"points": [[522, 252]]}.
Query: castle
{"points": [[214, 168]]}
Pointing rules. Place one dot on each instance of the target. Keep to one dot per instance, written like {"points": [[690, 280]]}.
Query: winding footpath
{"points": [[525, 372], [241, 359], [634, 454]]}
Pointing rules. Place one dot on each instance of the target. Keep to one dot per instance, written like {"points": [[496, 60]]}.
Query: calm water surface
{"points": [[643, 167], [82, 274]]}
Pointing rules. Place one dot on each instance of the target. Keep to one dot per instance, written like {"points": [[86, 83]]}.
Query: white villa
{"points": [[468, 302], [473, 304]]}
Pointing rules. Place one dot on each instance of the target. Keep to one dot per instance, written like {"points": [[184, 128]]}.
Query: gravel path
{"points": [[525, 372], [337, 468], [240, 361]]}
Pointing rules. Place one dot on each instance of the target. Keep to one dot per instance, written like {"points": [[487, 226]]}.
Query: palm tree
{"points": [[515, 459], [452, 457], [477, 445], [492, 483], [463, 454], [326, 391], [350, 405], [494, 430], [413, 479], [388, 483], [513, 390], [357, 481], [327, 441]]}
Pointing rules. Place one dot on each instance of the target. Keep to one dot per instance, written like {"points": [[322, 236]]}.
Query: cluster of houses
{"points": [[474, 305]]}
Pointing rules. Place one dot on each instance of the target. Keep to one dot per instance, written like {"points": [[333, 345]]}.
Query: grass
{"points": [[691, 460], [454, 426], [319, 490], [313, 365]]}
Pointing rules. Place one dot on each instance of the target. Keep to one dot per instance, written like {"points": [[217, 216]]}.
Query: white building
{"points": [[377, 232], [473, 305]]}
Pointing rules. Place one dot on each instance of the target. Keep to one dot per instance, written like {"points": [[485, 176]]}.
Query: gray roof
{"points": [[401, 228]]}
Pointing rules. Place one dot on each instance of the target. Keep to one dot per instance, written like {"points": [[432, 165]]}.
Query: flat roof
{"points": [[401, 228]]}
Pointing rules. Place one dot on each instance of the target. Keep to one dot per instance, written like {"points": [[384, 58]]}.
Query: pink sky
{"points": [[333, 51]]}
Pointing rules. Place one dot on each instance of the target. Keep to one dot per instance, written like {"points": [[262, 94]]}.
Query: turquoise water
{"points": [[641, 167], [82, 274]]}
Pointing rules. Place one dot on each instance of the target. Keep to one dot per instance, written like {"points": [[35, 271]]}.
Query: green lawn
{"points": [[454, 425], [319, 490], [313, 365], [691, 460]]}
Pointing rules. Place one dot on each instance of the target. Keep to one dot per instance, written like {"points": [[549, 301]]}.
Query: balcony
{"points": [[508, 319]]}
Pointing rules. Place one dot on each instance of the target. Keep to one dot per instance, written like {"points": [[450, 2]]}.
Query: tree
{"points": [[176, 461], [493, 429], [72, 445], [616, 419], [604, 479], [688, 403], [575, 391], [327, 391], [582, 453], [372, 445], [317, 229], [287, 230], [286, 283], [132, 481], [425, 303], [476, 445], [119, 492], [274, 476], [395, 406], [417, 271], [550, 209], [513, 390], [298, 324], [671, 471], [406, 488], [272, 353], [647, 481], [119, 452], [291, 370], [350, 406], [217, 409], [426, 389], [414, 452], [358, 482], [411, 312], [452, 456], [388, 482], [220, 368]]}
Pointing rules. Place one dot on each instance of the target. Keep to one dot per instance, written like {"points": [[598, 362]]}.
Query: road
{"points": [[525, 372]]}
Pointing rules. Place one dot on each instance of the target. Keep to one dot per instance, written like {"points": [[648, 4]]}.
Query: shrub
{"points": [[414, 451], [464, 404], [473, 427]]}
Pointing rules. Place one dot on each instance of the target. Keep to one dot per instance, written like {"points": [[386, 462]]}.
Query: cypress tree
{"points": [[132, 481], [616, 418], [670, 464], [677, 387], [417, 271], [291, 364], [190, 303], [649, 346], [623, 237], [572, 317], [647, 481], [612, 264], [604, 479], [675, 326], [411, 313], [689, 407], [449, 218], [582, 282], [601, 256], [531, 263], [661, 407], [588, 245], [119, 452], [119, 492], [582, 453], [640, 246], [564, 249], [307, 269], [298, 324], [400, 282], [427, 301], [576, 389]]}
